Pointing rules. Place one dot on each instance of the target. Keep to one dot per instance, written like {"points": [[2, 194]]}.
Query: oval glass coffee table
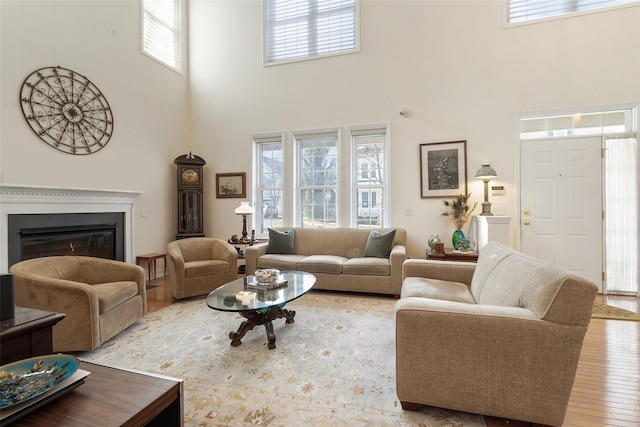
{"points": [[260, 306]]}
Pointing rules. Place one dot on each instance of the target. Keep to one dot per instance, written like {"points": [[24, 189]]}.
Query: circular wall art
{"points": [[66, 110]]}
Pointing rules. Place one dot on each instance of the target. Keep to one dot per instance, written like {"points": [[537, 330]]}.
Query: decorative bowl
{"points": [[267, 275], [29, 378]]}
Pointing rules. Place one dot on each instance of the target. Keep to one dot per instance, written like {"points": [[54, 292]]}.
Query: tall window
{"points": [[370, 184], [519, 11], [270, 173], [300, 29], [317, 179], [162, 31]]}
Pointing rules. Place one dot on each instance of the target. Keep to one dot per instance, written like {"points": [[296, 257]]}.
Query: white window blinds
{"points": [[298, 29], [528, 10], [161, 34]]}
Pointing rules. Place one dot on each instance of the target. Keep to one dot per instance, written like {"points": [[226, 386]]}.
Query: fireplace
{"points": [[78, 219], [87, 234]]}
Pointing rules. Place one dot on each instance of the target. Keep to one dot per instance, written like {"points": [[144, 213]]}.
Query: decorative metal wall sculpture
{"points": [[66, 110]]}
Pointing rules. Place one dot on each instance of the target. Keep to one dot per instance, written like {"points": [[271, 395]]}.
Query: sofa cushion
{"points": [[436, 289], [113, 294], [281, 262], [367, 266], [280, 242], [379, 244], [205, 268], [322, 264]]}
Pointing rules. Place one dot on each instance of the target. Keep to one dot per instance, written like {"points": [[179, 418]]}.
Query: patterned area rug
{"points": [[334, 366], [604, 311]]}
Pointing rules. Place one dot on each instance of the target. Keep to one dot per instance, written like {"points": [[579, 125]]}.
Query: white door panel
{"points": [[561, 200]]}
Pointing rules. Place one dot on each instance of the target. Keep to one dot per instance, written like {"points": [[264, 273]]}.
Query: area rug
{"points": [[334, 366], [605, 311]]}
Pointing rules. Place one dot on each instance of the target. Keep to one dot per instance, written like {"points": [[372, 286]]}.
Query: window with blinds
{"points": [[162, 32], [519, 11], [303, 29]]}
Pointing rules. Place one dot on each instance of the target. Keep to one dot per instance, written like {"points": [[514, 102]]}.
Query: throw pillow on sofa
{"points": [[379, 245], [280, 242]]}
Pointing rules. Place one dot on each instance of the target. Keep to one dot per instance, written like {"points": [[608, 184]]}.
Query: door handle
{"points": [[527, 222], [526, 212]]}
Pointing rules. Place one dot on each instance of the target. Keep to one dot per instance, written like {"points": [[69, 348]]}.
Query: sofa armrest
{"points": [[175, 261], [473, 357], [442, 270], [78, 301], [252, 253], [397, 258]]}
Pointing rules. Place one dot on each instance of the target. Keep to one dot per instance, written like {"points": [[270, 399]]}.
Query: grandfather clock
{"points": [[190, 195]]}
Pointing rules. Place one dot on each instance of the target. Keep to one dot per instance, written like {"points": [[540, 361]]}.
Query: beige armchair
{"points": [[500, 338], [99, 297], [198, 265]]}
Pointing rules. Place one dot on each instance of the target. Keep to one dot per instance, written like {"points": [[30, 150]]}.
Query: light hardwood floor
{"points": [[606, 391]]}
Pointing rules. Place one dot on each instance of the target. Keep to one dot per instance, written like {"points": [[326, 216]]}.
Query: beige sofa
{"points": [[99, 297], [500, 338], [336, 257]]}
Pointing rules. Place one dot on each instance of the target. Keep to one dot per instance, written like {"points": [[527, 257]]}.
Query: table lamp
{"points": [[244, 209], [485, 173]]}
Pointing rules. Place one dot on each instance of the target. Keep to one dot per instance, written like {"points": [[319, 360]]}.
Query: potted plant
{"points": [[458, 212]]}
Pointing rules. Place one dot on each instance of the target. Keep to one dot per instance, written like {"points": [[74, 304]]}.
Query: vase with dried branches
{"points": [[459, 211]]}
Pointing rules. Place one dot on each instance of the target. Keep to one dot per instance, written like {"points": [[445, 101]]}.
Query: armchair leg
{"points": [[410, 406]]}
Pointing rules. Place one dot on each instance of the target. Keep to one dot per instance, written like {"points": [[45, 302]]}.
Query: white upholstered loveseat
{"points": [[336, 256]]}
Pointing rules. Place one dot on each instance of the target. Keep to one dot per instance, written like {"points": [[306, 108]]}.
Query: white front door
{"points": [[561, 204]]}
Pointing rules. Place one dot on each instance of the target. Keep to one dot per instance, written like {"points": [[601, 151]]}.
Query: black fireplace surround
{"points": [[87, 234]]}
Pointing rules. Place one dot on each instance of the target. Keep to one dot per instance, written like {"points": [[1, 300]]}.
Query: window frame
{"points": [[266, 38], [569, 14], [298, 138], [383, 202], [180, 67], [258, 165]]}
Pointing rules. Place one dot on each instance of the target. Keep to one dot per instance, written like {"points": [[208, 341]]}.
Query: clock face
{"points": [[189, 176]]}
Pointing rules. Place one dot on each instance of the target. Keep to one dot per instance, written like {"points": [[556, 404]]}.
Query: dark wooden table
{"points": [[27, 334], [113, 397], [450, 255]]}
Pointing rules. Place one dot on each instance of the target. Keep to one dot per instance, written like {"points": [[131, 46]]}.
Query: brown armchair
{"points": [[198, 265], [99, 297]]}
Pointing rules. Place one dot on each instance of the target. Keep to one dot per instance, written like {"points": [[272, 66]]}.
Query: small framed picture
{"points": [[443, 169], [229, 185]]}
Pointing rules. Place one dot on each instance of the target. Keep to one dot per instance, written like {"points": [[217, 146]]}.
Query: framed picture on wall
{"points": [[443, 169], [230, 185]]}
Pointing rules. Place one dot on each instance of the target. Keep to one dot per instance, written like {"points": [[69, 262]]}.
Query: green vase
{"points": [[457, 235]]}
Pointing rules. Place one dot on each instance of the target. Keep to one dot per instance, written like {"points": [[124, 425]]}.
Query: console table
{"points": [[27, 334], [113, 397]]}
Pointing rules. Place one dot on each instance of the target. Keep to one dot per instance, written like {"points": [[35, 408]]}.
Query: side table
{"points": [[242, 268], [451, 255], [151, 262], [28, 334]]}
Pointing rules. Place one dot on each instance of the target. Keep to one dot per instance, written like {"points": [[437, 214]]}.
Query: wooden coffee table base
{"points": [[261, 317]]}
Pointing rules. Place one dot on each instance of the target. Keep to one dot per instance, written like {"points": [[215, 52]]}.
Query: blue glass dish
{"points": [[29, 378]]}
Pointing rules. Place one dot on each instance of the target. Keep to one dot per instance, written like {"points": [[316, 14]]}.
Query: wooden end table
{"points": [[112, 397], [27, 334], [451, 255], [151, 261]]}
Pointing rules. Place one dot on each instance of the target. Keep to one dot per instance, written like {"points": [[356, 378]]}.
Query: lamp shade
{"points": [[245, 209], [486, 171]]}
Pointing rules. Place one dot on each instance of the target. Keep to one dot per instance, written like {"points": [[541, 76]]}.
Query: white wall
{"points": [[101, 40], [450, 63]]}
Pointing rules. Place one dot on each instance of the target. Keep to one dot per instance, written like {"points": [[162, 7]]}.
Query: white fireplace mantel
{"points": [[30, 199]]}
